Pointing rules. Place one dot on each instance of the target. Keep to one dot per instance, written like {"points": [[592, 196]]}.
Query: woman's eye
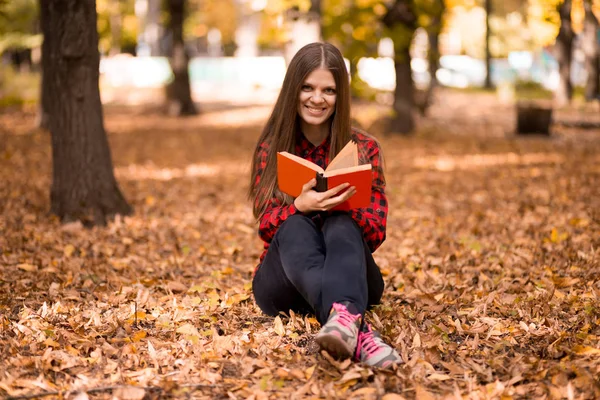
{"points": [[330, 91], [306, 88]]}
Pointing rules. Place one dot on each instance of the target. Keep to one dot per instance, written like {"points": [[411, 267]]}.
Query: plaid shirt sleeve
{"points": [[373, 219], [275, 212]]}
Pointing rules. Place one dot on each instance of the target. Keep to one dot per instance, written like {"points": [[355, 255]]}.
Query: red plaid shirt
{"points": [[371, 220]]}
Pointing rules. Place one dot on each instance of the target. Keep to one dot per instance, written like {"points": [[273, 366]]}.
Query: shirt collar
{"points": [[303, 143]]}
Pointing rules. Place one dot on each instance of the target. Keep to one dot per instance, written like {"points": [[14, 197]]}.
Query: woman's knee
{"points": [[297, 223], [341, 222]]}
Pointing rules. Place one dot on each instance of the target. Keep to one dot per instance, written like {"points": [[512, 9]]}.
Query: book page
{"points": [[302, 161], [347, 157], [347, 170]]}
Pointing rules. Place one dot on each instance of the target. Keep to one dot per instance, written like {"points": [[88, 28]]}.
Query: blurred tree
{"points": [[401, 22], [590, 38], [117, 26], [179, 95], [213, 15], [19, 31], [563, 49], [432, 19], [83, 183], [304, 24], [355, 28], [488, 55]]}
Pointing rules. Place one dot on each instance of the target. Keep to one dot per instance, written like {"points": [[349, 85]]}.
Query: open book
{"points": [[293, 172]]}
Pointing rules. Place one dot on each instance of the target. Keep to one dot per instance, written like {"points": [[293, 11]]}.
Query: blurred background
{"points": [[398, 52]]}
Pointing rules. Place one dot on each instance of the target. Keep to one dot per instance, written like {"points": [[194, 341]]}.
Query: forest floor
{"points": [[491, 263]]}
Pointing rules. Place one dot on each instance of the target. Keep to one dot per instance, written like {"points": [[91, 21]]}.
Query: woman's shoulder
{"points": [[364, 139]]}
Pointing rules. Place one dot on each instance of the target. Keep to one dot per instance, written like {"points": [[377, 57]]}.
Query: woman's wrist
{"points": [[296, 205]]}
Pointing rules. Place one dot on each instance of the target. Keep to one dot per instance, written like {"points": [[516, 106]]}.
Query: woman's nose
{"points": [[317, 98]]}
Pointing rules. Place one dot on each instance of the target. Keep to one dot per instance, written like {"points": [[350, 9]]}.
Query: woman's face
{"points": [[316, 102]]}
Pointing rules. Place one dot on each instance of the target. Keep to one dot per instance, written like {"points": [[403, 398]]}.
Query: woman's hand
{"points": [[310, 200]]}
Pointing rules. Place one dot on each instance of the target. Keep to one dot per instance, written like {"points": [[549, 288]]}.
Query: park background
{"points": [[127, 244]]}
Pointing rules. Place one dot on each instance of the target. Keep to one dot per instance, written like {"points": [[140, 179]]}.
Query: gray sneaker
{"points": [[373, 351], [340, 334]]}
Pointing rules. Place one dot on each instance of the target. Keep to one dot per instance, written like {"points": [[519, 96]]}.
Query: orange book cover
{"points": [[293, 172]]}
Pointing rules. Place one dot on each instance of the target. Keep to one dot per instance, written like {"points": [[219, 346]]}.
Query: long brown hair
{"points": [[283, 125]]}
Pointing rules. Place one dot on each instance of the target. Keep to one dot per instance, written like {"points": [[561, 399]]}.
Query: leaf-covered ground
{"points": [[491, 265]]}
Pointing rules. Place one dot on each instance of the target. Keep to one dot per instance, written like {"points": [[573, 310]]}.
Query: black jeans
{"points": [[307, 269]]}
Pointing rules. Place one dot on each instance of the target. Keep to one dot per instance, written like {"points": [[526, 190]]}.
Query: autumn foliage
{"points": [[491, 267]]}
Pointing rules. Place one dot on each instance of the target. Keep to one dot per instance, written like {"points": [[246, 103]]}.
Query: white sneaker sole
{"points": [[334, 345]]}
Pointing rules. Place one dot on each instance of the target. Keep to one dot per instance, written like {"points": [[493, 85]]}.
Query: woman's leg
{"points": [[290, 275], [349, 273]]}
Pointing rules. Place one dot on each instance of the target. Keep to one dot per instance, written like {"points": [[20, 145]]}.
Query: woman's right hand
{"points": [[311, 200]]}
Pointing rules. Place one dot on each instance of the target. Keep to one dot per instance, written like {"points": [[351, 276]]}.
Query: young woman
{"points": [[315, 260]]}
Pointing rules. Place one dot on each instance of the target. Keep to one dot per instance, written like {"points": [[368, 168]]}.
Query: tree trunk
{"points": [[488, 56], [533, 118], [592, 53], [402, 21], [83, 184], [564, 54], [116, 26], [404, 94], [433, 54], [179, 95], [42, 119]]}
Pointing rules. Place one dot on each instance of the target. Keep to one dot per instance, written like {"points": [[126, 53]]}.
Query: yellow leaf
{"points": [[27, 267], [438, 377], [140, 316], [278, 326], [585, 350], [188, 329], [150, 200], [309, 371], [556, 237], [139, 335], [366, 391], [227, 271], [69, 249], [51, 343], [236, 298]]}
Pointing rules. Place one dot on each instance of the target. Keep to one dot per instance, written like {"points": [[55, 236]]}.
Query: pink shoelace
{"points": [[345, 317], [368, 343]]}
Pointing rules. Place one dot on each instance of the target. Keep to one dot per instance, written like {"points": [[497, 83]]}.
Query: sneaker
{"points": [[340, 334], [373, 351]]}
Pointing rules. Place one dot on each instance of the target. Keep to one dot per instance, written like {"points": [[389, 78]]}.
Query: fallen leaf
{"points": [[69, 250], [585, 350], [422, 394], [27, 267], [129, 393], [278, 326], [392, 396]]}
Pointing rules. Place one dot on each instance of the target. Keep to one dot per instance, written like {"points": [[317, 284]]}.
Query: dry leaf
{"points": [[585, 350], [278, 326], [27, 267], [392, 396], [128, 393], [422, 394]]}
